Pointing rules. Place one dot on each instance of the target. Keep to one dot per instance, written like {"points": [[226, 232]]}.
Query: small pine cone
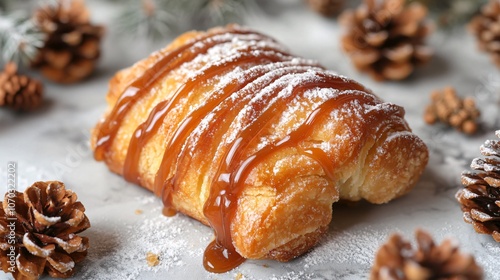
{"points": [[19, 92], [450, 109], [72, 47], [486, 28], [480, 199], [326, 8], [386, 39], [38, 231], [397, 260]]}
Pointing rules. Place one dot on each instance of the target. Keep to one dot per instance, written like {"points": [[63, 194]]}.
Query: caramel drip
{"points": [[143, 84], [150, 127], [228, 183], [168, 212]]}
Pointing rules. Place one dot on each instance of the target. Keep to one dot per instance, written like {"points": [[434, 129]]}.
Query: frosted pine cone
{"points": [[72, 47], [486, 28], [19, 92], [397, 260], [386, 39], [38, 231], [480, 199]]}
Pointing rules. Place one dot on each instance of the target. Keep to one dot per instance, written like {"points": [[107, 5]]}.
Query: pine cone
{"points": [[19, 92], [72, 48], [480, 199], [486, 28], [326, 8], [397, 260], [450, 109], [386, 39], [38, 231]]}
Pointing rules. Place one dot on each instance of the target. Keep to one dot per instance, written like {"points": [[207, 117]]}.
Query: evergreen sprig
{"points": [[158, 18], [150, 18], [217, 12], [20, 37]]}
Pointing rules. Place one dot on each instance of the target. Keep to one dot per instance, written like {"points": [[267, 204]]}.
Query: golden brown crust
{"points": [[285, 202]]}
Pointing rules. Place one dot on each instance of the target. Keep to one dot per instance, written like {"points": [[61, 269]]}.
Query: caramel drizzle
{"points": [[150, 127], [220, 207], [190, 123], [143, 84]]}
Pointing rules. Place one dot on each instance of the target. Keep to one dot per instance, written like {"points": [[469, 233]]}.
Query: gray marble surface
{"points": [[52, 144]]}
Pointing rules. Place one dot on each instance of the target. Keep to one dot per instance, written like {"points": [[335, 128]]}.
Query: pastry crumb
{"points": [[138, 211], [239, 276], [152, 259]]}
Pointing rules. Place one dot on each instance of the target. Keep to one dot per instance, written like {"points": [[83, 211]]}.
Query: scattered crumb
{"points": [[138, 211], [152, 259], [239, 276], [265, 265]]}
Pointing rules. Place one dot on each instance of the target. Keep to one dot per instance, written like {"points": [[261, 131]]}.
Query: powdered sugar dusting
{"points": [[301, 275], [346, 247], [249, 91], [488, 259], [114, 250]]}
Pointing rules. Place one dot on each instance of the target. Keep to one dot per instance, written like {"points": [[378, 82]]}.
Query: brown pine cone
{"points": [[397, 260], [38, 231], [480, 199], [19, 92], [71, 50], [326, 8], [486, 28], [450, 109], [386, 39]]}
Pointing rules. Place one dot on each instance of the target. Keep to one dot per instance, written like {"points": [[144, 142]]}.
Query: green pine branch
{"points": [[150, 18], [159, 18], [20, 37], [220, 12]]}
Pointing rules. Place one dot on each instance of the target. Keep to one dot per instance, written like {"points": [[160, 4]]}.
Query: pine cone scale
{"points": [[376, 39], [414, 271], [76, 218], [28, 265], [481, 216], [490, 148], [363, 59], [414, 13], [400, 53], [397, 71], [63, 263], [36, 250]]}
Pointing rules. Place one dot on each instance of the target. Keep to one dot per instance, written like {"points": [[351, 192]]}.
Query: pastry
{"points": [[229, 128]]}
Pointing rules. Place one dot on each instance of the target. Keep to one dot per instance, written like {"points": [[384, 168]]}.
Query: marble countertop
{"points": [[52, 144]]}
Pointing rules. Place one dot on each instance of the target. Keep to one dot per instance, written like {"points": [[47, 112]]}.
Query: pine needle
{"points": [[150, 18], [20, 38], [220, 12]]}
